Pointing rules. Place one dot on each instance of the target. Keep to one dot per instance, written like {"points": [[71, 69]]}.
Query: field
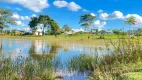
{"points": [[79, 38]]}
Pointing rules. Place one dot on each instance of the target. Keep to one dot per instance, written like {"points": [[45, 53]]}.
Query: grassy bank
{"points": [[79, 38], [123, 61]]}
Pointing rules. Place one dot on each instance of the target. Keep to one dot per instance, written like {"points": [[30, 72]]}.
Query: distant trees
{"points": [[117, 32], [138, 32], [47, 22], [5, 18], [66, 28], [86, 20]]}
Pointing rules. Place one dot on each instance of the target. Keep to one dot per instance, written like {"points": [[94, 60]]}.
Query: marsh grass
{"points": [[123, 56], [27, 69]]}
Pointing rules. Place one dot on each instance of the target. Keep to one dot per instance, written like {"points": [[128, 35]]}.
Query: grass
{"points": [[27, 69], [122, 58], [76, 38]]}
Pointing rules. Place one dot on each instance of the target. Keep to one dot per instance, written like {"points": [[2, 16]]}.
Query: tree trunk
{"points": [[43, 32]]}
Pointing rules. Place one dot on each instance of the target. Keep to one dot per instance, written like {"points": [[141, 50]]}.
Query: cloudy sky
{"points": [[110, 13]]}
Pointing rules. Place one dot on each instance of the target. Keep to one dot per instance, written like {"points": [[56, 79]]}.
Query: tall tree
{"points": [[45, 20], [55, 29], [131, 21], [66, 28], [33, 23], [86, 20], [5, 18]]}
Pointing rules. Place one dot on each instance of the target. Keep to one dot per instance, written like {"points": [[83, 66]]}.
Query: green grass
{"points": [[76, 38], [123, 57]]}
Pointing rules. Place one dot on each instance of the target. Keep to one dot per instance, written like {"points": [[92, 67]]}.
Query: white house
{"points": [[69, 32], [39, 30]]}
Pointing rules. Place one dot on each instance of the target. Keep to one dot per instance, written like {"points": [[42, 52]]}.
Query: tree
{"points": [[86, 20], [66, 28], [131, 21], [33, 23], [117, 32], [45, 20], [55, 29], [5, 18]]}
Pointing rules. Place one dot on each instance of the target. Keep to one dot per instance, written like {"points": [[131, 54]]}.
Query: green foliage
{"points": [[28, 69], [33, 23], [131, 20], [86, 20], [55, 29], [119, 58], [5, 18], [138, 32], [49, 23], [102, 31]]}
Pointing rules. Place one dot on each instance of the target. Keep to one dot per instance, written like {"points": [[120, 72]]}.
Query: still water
{"points": [[14, 48]]}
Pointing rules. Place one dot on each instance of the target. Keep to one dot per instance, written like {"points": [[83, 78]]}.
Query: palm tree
{"points": [[131, 21]]}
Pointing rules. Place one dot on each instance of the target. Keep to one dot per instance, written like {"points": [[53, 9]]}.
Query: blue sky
{"points": [[110, 13]]}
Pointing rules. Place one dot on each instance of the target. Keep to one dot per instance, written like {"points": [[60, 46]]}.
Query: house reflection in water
{"points": [[40, 49]]}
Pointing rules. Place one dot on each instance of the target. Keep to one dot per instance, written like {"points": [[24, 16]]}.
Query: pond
{"points": [[13, 48]]}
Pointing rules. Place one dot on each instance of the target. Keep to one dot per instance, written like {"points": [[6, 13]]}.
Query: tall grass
{"points": [[123, 56], [27, 69]]}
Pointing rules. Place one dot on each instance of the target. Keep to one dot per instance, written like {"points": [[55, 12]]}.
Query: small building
{"points": [[37, 32], [69, 32]]}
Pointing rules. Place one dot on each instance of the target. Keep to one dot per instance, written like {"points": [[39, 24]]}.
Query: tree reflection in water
{"points": [[52, 50]]}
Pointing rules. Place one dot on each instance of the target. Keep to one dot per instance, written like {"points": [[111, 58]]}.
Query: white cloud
{"points": [[33, 15], [85, 10], [100, 11], [19, 9], [70, 5], [92, 14], [137, 17], [98, 24], [104, 16], [78, 30], [19, 23], [60, 4], [26, 29], [34, 5], [25, 18], [117, 14], [114, 15], [73, 6], [15, 16]]}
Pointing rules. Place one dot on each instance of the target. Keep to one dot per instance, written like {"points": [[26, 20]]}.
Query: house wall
{"points": [[38, 33]]}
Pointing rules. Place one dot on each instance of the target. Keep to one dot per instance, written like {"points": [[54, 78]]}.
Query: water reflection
{"points": [[39, 49]]}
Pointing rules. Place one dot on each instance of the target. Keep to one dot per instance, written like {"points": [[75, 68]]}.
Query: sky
{"points": [[110, 14]]}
